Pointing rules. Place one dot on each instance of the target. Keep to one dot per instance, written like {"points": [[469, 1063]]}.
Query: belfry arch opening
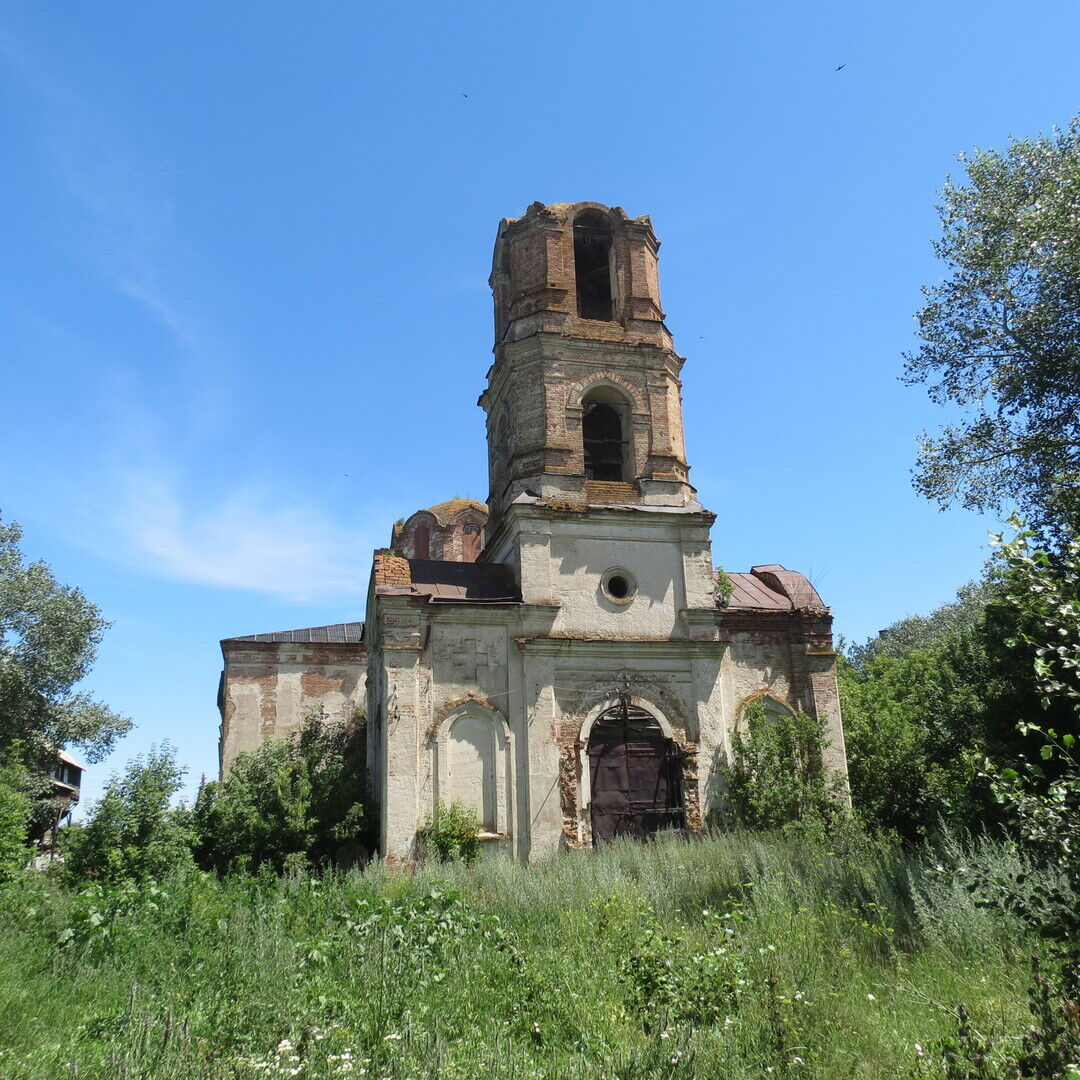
{"points": [[635, 776], [604, 435], [592, 267]]}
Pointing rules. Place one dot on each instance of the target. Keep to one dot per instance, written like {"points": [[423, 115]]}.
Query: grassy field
{"points": [[726, 957]]}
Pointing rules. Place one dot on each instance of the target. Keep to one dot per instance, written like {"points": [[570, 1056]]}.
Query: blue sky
{"points": [[245, 317]]}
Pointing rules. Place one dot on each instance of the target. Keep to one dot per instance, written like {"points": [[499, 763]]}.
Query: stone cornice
{"points": [[620, 648]]}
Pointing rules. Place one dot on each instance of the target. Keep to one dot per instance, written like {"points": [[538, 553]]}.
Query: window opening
{"points": [[592, 267], [602, 436], [421, 542], [471, 543]]}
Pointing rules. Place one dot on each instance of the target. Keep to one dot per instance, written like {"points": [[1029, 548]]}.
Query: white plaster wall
{"points": [[663, 559]]}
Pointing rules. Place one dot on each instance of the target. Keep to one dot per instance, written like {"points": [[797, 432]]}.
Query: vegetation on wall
{"points": [[452, 832], [292, 801], [776, 775]]}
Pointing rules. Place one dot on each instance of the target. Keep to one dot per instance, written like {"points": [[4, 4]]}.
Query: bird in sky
{"points": [[842, 66]]}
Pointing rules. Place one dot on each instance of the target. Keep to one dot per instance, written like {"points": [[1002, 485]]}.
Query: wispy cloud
{"points": [[247, 539], [167, 516], [129, 220]]}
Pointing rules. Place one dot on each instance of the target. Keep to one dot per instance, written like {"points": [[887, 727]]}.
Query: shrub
{"points": [[776, 775], [14, 815], [453, 832], [296, 798]]}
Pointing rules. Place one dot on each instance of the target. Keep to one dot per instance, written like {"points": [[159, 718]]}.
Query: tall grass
{"points": [[734, 956]]}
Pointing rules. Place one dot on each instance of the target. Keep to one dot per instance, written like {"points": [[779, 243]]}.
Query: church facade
{"points": [[565, 659]]}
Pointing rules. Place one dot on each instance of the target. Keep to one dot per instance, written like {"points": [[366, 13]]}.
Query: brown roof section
{"points": [[457, 583], [749, 593], [773, 588], [350, 633]]}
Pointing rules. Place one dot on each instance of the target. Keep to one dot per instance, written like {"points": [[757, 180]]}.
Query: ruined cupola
{"points": [[583, 400]]}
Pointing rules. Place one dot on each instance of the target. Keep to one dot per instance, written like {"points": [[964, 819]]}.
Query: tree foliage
{"points": [[49, 635], [1043, 796], [927, 631], [776, 775], [14, 811], [1000, 335], [134, 832], [930, 700], [290, 798]]}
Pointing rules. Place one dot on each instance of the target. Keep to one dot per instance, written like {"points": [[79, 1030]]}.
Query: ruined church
{"points": [[565, 659]]}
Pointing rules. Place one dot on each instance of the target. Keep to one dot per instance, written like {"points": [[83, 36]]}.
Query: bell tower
{"points": [[583, 399]]}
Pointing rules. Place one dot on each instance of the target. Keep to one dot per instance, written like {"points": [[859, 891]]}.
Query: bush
{"points": [[453, 832], [291, 799], [776, 775]]}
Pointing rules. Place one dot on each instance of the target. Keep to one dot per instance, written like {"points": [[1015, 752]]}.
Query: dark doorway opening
{"points": [[635, 774], [592, 267], [601, 430]]}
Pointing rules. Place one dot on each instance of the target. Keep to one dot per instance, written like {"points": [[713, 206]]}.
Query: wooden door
{"points": [[634, 776]]}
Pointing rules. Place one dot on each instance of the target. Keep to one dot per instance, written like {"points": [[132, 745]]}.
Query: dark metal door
{"points": [[635, 776]]}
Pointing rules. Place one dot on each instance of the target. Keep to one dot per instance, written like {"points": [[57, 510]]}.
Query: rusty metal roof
{"points": [[463, 583], [773, 588], [749, 592], [350, 633]]}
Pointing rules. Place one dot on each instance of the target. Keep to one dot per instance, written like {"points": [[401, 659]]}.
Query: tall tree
{"points": [[1001, 335], [49, 634]]}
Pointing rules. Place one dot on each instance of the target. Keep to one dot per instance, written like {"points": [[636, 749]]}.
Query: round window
{"points": [[618, 586]]}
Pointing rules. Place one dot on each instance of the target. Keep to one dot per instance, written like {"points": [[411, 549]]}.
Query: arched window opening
{"points": [[592, 267], [471, 542], [421, 542], [602, 436], [635, 776]]}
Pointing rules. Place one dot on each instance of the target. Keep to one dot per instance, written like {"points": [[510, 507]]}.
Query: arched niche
{"points": [[472, 752], [772, 707]]}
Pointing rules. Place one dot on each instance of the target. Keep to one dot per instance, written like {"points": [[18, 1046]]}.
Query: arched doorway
{"points": [[634, 774]]}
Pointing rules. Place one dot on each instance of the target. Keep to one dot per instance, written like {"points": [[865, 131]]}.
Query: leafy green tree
{"points": [[49, 634], [134, 832], [927, 631], [292, 797], [1042, 802], [1043, 796], [1000, 335], [14, 812], [929, 701], [915, 731]]}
